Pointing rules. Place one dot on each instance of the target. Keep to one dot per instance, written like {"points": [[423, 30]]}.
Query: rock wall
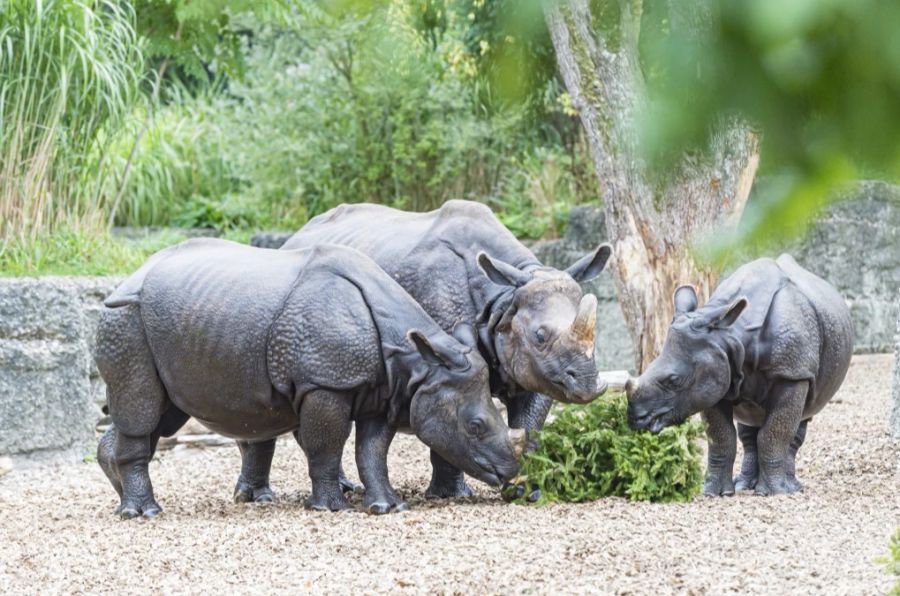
{"points": [[855, 246], [50, 391]]}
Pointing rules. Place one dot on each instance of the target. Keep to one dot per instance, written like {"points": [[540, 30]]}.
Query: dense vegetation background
{"points": [[241, 115]]}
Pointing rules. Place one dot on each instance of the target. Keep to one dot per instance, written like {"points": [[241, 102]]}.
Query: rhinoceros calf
{"points": [[255, 343], [769, 350], [530, 322]]}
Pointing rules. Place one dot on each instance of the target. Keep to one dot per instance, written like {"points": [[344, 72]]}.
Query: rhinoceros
{"points": [[769, 349], [255, 343], [531, 323]]}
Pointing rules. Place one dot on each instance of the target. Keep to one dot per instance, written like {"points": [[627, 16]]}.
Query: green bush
{"points": [[893, 562], [351, 108], [588, 451]]}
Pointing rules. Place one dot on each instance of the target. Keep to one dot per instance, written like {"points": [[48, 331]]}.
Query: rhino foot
{"points": [[510, 492], [350, 486], [744, 483], [382, 507], [718, 486], [245, 493], [794, 484], [386, 502], [331, 501], [782, 486], [131, 510], [446, 491]]}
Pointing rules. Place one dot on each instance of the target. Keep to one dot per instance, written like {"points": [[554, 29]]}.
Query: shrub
{"points": [[893, 562], [588, 451]]}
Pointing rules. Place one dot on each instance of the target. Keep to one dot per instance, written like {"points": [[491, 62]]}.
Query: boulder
{"points": [[50, 391]]}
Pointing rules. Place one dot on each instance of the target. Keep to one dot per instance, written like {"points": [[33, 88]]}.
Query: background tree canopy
{"points": [[239, 114]]}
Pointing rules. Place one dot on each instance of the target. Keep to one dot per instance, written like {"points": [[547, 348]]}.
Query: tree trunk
{"points": [[651, 224]]}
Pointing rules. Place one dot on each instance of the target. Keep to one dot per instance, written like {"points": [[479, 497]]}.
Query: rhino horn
{"points": [[585, 320], [518, 438]]}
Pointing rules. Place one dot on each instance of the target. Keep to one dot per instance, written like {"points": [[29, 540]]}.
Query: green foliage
{"points": [[347, 107], [892, 562], [820, 80], [79, 251], [588, 451], [69, 76], [193, 34]]}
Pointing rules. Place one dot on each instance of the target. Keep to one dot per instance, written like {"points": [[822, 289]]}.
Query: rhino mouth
{"points": [[652, 421], [489, 473]]}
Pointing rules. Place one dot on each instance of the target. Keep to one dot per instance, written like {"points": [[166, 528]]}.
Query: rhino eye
{"points": [[540, 335], [476, 427], [672, 380]]}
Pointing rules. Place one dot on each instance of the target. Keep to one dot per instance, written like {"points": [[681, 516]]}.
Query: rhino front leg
{"points": [[746, 480], [373, 439], [773, 442], [722, 441], [790, 466], [528, 411], [324, 428], [256, 462], [446, 480]]}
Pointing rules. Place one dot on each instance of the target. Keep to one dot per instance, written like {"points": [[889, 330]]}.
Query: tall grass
{"points": [[70, 73]]}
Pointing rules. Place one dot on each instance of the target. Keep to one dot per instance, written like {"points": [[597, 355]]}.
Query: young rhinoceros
{"points": [[532, 323], [769, 350], [255, 343]]}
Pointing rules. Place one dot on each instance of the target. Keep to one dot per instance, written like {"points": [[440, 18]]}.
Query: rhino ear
{"points": [[685, 299], [426, 349], [727, 315], [501, 273], [590, 265]]}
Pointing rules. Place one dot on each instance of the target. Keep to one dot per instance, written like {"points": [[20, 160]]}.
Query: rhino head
{"points": [[453, 413], [693, 372], [545, 340]]}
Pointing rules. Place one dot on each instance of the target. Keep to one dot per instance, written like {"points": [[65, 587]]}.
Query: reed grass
{"points": [[70, 74]]}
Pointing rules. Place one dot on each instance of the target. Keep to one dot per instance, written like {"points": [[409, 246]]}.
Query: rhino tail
{"points": [[129, 291]]}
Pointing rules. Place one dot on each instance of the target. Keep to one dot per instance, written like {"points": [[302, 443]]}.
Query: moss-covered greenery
{"points": [[588, 452]]}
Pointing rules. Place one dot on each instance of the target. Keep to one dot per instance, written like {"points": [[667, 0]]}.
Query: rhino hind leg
{"points": [[139, 408], [774, 441], [749, 474], [790, 466], [324, 428], [446, 480], [256, 462]]}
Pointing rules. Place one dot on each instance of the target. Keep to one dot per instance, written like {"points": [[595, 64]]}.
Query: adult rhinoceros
{"points": [[256, 343], [531, 323]]}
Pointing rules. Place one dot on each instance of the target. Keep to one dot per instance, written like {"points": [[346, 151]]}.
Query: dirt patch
{"points": [[58, 533]]}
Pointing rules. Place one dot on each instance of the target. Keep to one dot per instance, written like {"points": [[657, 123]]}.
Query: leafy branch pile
{"points": [[893, 562], [588, 452]]}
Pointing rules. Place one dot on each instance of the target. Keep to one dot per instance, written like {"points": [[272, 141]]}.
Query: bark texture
{"points": [[651, 224]]}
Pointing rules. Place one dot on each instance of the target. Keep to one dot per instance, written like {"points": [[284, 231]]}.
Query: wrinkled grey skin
{"points": [[481, 284], [255, 343], [769, 350]]}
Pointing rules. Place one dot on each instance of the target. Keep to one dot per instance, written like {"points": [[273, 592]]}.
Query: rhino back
{"points": [[207, 310], [431, 255], [795, 327]]}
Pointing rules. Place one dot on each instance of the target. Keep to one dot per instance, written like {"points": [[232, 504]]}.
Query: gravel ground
{"points": [[58, 532]]}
